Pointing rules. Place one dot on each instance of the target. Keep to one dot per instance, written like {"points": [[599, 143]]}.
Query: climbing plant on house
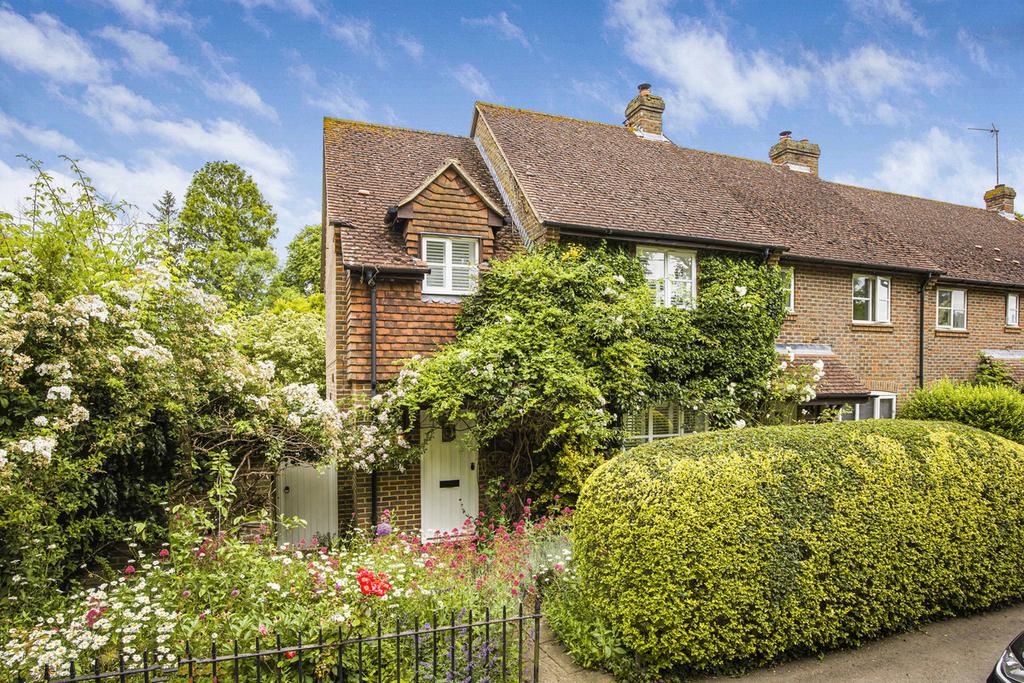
{"points": [[558, 343]]}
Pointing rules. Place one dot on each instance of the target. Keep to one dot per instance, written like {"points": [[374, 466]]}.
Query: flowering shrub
{"points": [[120, 384], [221, 588]]}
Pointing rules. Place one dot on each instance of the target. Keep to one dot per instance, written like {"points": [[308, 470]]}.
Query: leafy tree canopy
{"points": [[222, 235], [302, 267]]}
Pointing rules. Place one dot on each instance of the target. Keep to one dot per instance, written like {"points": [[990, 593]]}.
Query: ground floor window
{"points": [[660, 421], [881, 406]]}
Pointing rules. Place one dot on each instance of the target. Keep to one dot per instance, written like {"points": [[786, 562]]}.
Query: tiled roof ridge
{"points": [[736, 157], [366, 124], [533, 112], [908, 196]]}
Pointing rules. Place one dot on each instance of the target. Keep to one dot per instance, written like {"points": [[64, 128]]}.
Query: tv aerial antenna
{"points": [[994, 132]]}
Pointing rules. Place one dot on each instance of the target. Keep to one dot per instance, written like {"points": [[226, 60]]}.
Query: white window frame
{"points": [[664, 299], [881, 309], [791, 299], [952, 309], [1013, 309], [447, 266], [875, 401], [676, 411]]}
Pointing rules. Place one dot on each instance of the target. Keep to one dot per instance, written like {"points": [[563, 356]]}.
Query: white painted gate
{"points": [[449, 489], [311, 495]]}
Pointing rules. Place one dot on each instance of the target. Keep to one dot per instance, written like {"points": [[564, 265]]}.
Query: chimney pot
{"points": [[798, 155], [1000, 198], [643, 113]]}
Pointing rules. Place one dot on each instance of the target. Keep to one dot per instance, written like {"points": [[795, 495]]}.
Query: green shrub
{"points": [[996, 409], [732, 548], [993, 371]]}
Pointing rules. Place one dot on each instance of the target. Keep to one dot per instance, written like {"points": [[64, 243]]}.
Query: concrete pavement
{"points": [[953, 651]]}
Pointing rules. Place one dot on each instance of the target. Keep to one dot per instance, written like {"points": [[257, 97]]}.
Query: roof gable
{"points": [[457, 168]]}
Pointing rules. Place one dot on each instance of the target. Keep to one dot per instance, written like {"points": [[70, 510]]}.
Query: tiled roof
{"points": [[838, 381], [605, 177], [966, 242], [370, 168]]}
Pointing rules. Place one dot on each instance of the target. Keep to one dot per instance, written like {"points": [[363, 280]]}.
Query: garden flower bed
{"points": [[218, 589]]}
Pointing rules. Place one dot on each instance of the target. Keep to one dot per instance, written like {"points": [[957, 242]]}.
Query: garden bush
{"points": [[994, 408], [727, 549]]}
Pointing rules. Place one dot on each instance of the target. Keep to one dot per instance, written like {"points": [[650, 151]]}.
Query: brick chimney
{"points": [[643, 113], [1000, 198], [798, 155]]}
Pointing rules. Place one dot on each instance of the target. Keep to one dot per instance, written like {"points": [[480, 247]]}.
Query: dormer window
{"points": [[453, 261]]}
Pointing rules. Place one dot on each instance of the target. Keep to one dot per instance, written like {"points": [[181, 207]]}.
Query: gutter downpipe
{"points": [[920, 332], [372, 282]]}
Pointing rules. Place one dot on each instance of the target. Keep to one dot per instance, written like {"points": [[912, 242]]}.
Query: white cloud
{"points": [[888, 11], [223, 139], [412, 47], [147, 13], [233, 90], [470, 78], [141, 182], [940, 166], [861, 85], [41, 137], [704, 74], [337, 98], [975, 50], [602, 93], [503, 25], [44, 45], [144, 54], [359, 36], [16, 186], [117, 107], [307, 9]]}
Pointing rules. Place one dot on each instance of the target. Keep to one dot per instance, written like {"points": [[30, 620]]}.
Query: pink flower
{"points": [[559, 567], [202, 616], [234, 593], [185, 594], [164, 552], [129, 570], [263, 630]]}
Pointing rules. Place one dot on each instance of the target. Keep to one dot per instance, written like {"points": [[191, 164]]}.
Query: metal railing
{"points": [[494, 649]]}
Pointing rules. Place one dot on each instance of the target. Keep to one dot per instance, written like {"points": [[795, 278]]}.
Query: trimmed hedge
{"points": [[733, 548], [996, 409]]}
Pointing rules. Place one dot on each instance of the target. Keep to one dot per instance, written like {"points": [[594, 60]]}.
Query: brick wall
{"points": [[955, 354], [408, 323], [885, 357]]}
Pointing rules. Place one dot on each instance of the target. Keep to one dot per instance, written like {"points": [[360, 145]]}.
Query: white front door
{"points": [[312, 496], [449, 493]]}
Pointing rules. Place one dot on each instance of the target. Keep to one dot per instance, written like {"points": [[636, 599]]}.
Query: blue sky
{"points": [[144, 91]]}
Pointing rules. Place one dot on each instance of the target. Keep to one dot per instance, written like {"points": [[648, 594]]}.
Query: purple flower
{"points": [[234, 593], [185, 594], [383, 529]]}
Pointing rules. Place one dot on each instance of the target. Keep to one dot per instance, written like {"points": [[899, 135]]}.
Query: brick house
{"points": [[890, 291]]}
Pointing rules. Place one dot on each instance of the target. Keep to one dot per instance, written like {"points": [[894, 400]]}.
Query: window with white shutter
{"points": [[672, 276], [871, 299], [453, 264], [951, 309], [659, 421]]}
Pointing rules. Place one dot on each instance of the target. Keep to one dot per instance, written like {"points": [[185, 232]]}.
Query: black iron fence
{"points": [[457, 648]]}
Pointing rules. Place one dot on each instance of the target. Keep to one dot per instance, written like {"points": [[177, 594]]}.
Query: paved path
{"points": [[954, 651]]}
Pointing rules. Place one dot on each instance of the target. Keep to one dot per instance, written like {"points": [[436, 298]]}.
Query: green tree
{"points": [[165, 210], [302, 267], [222, 237]]}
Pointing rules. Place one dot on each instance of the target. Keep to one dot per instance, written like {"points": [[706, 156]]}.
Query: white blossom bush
{"points": [[119, 384]]}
